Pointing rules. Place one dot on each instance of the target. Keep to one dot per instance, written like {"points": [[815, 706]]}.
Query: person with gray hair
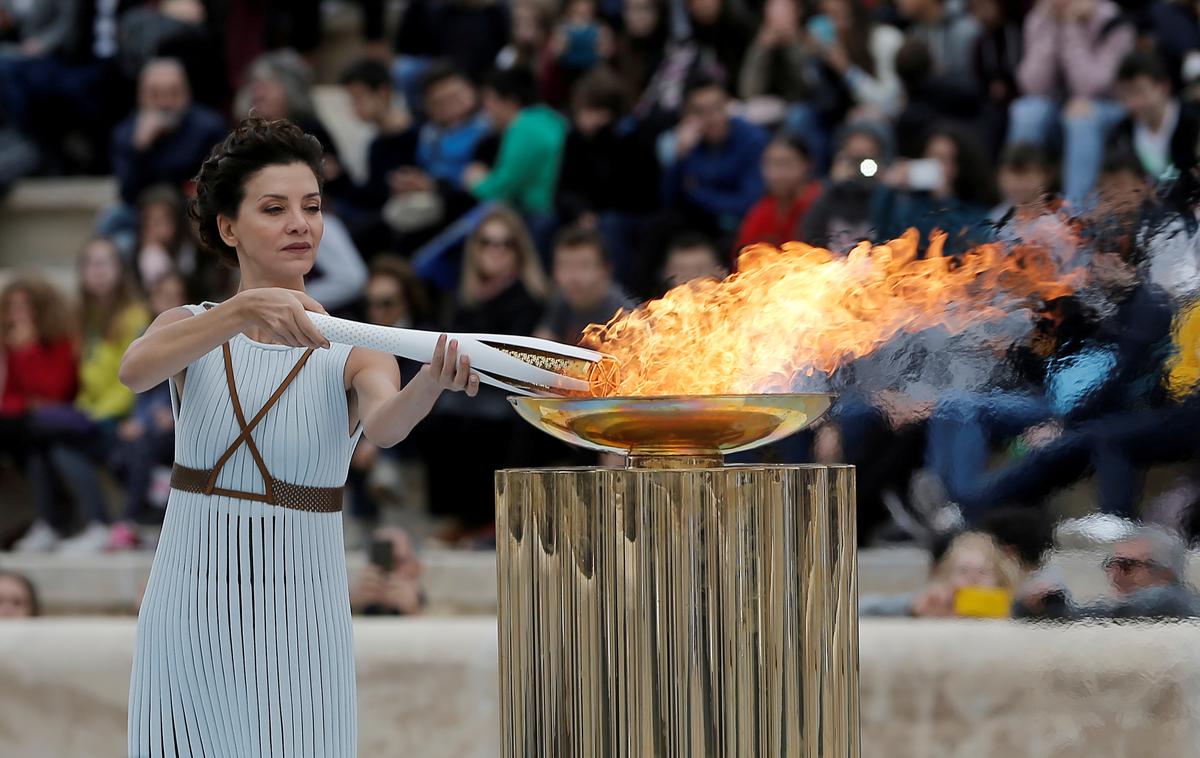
{"points": [[1147, 571]]}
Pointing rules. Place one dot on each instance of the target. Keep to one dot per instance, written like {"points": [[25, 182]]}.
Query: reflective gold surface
{"points": [[701, 425], [678, 612]]}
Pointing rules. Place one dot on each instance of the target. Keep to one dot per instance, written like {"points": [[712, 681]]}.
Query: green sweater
{"points": [[526, 169]]}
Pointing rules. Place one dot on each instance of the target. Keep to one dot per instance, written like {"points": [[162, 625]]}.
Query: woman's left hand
{"points": [[451, 371]]}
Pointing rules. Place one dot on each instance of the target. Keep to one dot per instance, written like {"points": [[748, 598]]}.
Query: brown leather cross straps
{"points": [[321, 499]]}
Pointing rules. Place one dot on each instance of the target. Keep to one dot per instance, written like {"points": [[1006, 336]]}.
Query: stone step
{"points": [[44, 222]]}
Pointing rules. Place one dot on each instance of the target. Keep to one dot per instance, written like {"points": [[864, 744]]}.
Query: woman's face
{"points": [[158, 225], [641, 18], [526, 26], [496, 251], [784, 170], [15, 601], [386, 304], [972, 568], [19, 317], [100, 272], [169, 292], [268, 97], [942, 149], [279, 223]]}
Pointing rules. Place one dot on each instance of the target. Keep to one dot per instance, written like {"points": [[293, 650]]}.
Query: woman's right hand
{"points": [[283, 314]]}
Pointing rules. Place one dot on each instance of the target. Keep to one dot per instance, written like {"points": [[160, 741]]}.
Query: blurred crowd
{"points": [[535, 166]]}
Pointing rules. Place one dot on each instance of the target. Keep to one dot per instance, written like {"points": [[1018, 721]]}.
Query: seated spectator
{"points": [[841, 217], [18, 598], [609, 176], [390, 583], [711, 161], [972, 561], [691, 257], [951, 189], [394, 297], [997, 56], [791, 190], [641, 42], [279, 85], [1029, 213], [501, 291], [164, 239], [468, 34], [949, 35], [525, 173], [580, 42], [79, 436], [1072, 51], [531, 24], [1147, 571], [179, 29], [723, 29], [931, 98], [863, 53], [163, 142], [369, 86], [145, 446], [586, 293], [1160, 130], [37, 361]]}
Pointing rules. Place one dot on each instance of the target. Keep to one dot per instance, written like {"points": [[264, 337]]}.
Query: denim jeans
{"points": [[1038, 120], [963, 428]]}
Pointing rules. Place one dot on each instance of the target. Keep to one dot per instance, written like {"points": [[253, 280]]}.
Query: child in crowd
{"points": [[587, 294], [791, 190]]}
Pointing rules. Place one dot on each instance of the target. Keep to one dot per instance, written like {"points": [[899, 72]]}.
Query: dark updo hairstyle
{"points": [[221, 184]]}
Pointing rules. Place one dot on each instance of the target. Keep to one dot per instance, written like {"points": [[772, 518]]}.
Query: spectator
{"points": [[972, 561], [841, 217], [526, 170], [949, 35], [863, 53], [931, 98], [501, 290], [1072, 51], [791, 191], [952, 191], [78, 436], [18, 598], [1029, 212], [579, 43], [37, 361], [609, 176], [179, 29], [390, 583], [691, 257], [468, 34], [1175, 29], [1160, 130], [532, 23], [586, 293], [145, 441], [394, 298], [641, 43], [164, 241], [997, 56], [712, 161], [721, 28], [339, 273], [168, 136], [369, 86]]}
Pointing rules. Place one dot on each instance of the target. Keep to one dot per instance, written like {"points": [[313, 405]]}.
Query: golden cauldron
{"points": [[677, 607]]}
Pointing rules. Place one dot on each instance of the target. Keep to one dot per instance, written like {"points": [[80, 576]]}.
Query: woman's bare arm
{"points": [[177, 338], [388, 412]]}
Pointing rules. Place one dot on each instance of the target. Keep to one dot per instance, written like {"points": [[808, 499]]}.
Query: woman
{"points": [[18, 598], [244, 638], [38, 368], [80, 436], [502, 288], [863, 54]]}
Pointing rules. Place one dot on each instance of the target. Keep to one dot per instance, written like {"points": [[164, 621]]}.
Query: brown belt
{"points": [[282, 494]]}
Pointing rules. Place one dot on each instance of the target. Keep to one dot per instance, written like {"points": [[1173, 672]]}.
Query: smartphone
{"points": [[822, 29], [983, 602], [582, 42], [925, 174], [382, 555]]}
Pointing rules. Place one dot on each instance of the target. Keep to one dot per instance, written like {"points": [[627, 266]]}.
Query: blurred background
{"points": [[532, 166]]}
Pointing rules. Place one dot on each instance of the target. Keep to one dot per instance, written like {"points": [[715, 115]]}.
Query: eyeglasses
{"points": [[505, 242], [1127, 565]]}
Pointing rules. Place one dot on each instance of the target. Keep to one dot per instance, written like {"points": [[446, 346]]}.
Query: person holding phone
{"points": [[390, 583], [950, 188], [245, 624]]}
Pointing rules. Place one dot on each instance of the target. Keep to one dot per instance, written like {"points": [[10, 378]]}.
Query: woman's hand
{"points": [[451, 371], [282, 313]]}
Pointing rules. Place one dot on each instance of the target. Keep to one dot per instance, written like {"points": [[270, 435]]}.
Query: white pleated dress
{"points": [[244, 641]]}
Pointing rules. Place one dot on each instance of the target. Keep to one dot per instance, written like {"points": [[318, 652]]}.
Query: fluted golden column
{"points": [[678, 612]]}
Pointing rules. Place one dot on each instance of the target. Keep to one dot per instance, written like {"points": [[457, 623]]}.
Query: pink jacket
{"points": [[1082, 57]]}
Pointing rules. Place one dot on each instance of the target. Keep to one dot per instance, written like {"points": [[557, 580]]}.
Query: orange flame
{"points": [[794, 311]]}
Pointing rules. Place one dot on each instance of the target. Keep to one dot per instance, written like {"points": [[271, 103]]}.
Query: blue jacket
{"points": [[173, 159], [722, 180]]}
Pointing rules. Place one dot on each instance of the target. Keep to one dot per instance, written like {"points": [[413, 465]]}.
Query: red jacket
{"points": [[42, 372], [769, 223]]}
